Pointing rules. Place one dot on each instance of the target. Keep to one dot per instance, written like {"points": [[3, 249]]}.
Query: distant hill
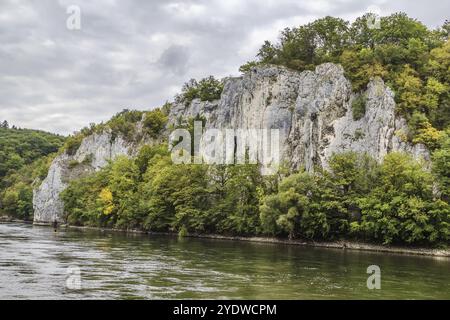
{"points": [[20, 147], [25, 156]]}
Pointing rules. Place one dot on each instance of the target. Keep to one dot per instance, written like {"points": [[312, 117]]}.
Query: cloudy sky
{"points": [[137, 54]]}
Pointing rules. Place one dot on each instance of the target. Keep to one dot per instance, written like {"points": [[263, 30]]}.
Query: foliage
{"points": [[154, 122], [72, 144], [124, 123], [25, 156], [207, 89], [402, 208], [150, 192], [19, 147], [441, 166], [16, 189], [359, 107], [413, 61], [391, 203], [356, 197], [248, 66]]}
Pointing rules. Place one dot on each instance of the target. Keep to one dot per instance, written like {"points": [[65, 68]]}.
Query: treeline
{"points": [[25, 156], [412, 59], [393, 202]]}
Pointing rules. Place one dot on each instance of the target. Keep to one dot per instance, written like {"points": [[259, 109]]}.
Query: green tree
{"points": [[399, 208], [207, 89], [154, 122], [441, 166]]}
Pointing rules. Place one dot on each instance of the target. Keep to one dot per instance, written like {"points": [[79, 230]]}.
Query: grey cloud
{"points": [[175, 59], [138, 53]]}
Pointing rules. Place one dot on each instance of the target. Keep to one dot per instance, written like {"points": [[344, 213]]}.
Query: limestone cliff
{"points": [[93, 154], [313, 110]]}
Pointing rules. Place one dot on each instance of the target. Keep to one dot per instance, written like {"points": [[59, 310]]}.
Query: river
{"points": [[38, 263]]}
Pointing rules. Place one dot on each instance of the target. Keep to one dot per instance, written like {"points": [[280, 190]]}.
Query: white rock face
{"points": [[312, 110], [93, 154]]}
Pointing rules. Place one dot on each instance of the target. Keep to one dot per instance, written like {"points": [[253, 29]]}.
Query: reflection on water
{"points": [[34, 263]]}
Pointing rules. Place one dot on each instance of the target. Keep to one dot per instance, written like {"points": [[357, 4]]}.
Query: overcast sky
{"points": [[137, 54]]}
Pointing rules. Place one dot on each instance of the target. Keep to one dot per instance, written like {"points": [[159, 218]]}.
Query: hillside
{"points": [[23, 157], [19, 147]]}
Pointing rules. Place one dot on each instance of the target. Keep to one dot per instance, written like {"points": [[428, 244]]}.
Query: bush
{"points": [[210, 89], [73, 143], [207, 89], [359, 107], [154, 122], [124, 123]]}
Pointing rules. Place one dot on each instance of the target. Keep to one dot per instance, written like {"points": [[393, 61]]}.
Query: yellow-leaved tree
{"points": [[105, 200]]}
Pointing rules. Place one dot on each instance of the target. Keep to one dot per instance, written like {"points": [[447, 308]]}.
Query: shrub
{"points": [[154, 122], [124, 123], [359, 107], [73, 143], [207, 89]]}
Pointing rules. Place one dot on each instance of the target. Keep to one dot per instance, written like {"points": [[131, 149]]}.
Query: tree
{"points": [[123, 178], [296, 209], [402, 207], [154, 122], [105, 200], [207, 89], [441, 166], [409, 92], [248, 66], [210, 89], [241, 200]]}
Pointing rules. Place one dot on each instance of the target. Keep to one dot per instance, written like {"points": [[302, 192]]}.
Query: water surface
{"points": [[34, 264]]}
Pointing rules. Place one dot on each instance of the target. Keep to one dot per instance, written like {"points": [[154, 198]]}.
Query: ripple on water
{"points": [[34, 263]]}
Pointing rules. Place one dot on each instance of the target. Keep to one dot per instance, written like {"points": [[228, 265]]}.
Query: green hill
{"points": [[24, 156]]}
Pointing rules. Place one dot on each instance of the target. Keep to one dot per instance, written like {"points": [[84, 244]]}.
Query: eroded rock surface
{"points": [[313, 110]]}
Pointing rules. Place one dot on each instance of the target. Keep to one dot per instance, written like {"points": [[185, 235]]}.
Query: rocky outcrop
{"points": [[312, 109], [94, 153]]}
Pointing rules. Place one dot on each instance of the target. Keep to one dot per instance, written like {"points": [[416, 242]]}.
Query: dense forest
{"points": [[392, 202], [398, 201], [25, 156]]}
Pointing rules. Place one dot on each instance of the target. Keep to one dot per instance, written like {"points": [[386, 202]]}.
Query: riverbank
{"points": [[8, 219], [343, 245]]}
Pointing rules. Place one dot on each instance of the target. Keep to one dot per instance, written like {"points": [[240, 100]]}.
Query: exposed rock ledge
{"points": [[312, 109]]}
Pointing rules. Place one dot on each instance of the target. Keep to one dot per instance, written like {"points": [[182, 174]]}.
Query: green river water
{"points": [[35, 261]]}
